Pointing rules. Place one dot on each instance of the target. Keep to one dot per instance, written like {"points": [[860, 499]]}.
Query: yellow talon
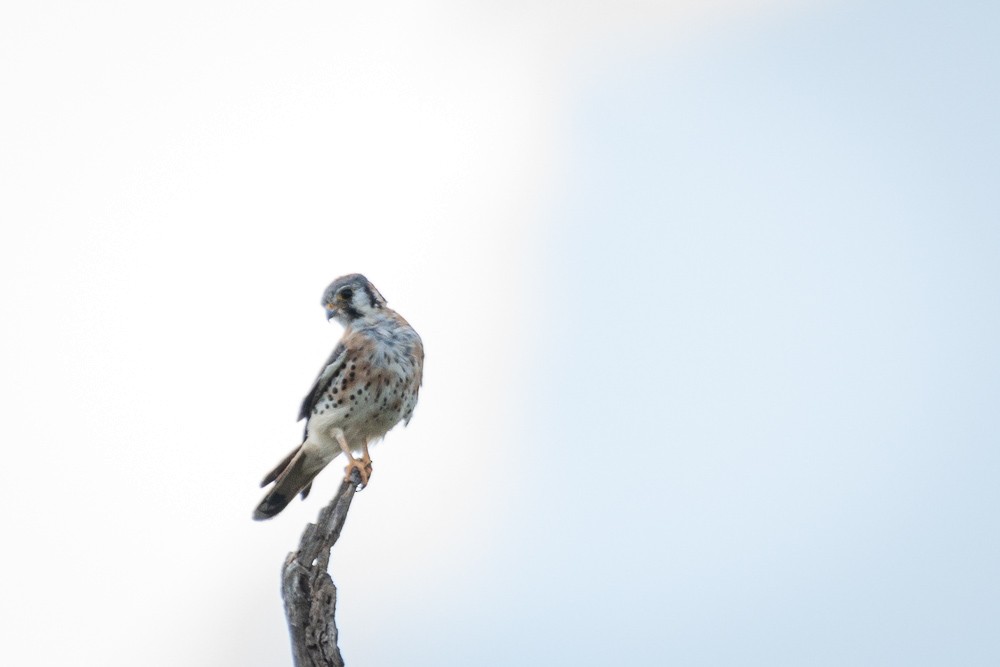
{"points": [[364, 471]]}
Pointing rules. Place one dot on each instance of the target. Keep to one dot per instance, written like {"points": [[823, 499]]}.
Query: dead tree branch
{"points": [[307, 588]]}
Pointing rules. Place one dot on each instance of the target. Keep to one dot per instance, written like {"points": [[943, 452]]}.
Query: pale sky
{"points": [[709, 294]]}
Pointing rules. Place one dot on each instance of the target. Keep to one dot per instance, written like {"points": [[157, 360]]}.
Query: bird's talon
{"points": [[364, 472]]}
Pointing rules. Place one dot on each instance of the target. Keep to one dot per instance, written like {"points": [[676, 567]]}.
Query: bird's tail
{"points": [[293, 475]]}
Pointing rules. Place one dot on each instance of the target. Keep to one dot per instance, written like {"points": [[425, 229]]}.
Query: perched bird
{"points": [[368, 385]]}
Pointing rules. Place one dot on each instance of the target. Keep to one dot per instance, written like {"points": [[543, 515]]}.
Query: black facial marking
{"points": [[371, 296]]}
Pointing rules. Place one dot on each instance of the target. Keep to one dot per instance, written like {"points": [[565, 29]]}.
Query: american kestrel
{"points": [[368, 385]]}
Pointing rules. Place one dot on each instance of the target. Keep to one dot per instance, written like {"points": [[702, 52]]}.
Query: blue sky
{"points": [[709, 293], [771, 347]]}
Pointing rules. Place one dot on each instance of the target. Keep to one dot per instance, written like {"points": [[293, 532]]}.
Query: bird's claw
{"points": [[364, 469]]}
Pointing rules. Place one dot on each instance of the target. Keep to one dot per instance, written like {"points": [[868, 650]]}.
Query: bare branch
{"points": [[307, 588]]}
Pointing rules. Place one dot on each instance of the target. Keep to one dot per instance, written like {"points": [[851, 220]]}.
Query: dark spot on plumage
{"points": [[335, 390], [351, 312]]}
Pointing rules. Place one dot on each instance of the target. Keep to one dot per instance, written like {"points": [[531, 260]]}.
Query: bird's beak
{"points": [[330, 312]]}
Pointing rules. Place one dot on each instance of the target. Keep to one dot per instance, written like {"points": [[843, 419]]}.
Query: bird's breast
{"points": [[376, 388]]}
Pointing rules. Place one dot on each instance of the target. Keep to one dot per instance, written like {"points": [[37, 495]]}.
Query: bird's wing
{"points": [[330, 370]]}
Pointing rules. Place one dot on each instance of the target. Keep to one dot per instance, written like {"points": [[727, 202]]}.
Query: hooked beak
{"points": [[330, 312]]}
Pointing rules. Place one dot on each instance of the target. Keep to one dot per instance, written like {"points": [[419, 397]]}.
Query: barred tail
{"points": [[293, 475]]}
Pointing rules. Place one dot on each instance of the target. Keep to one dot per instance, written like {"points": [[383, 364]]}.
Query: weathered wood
{"points": [[308, 590]]}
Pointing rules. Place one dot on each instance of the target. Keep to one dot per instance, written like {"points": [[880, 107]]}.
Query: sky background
{"points": [[709, 293]]}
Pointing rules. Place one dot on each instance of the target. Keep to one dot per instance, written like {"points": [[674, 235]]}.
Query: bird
{"points": [[367, 386]]}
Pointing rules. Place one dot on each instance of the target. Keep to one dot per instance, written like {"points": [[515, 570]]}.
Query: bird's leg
{"points": [[352, 463], [367, 460]]}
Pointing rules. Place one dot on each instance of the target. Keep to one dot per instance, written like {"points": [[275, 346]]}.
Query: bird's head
{"points": [[351, 297]]}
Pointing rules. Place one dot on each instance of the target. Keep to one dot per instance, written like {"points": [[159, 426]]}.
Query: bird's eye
{"points": [[345, 294]]}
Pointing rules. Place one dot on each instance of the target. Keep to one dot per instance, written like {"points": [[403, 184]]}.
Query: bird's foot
{"points": [[364, 469]]}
